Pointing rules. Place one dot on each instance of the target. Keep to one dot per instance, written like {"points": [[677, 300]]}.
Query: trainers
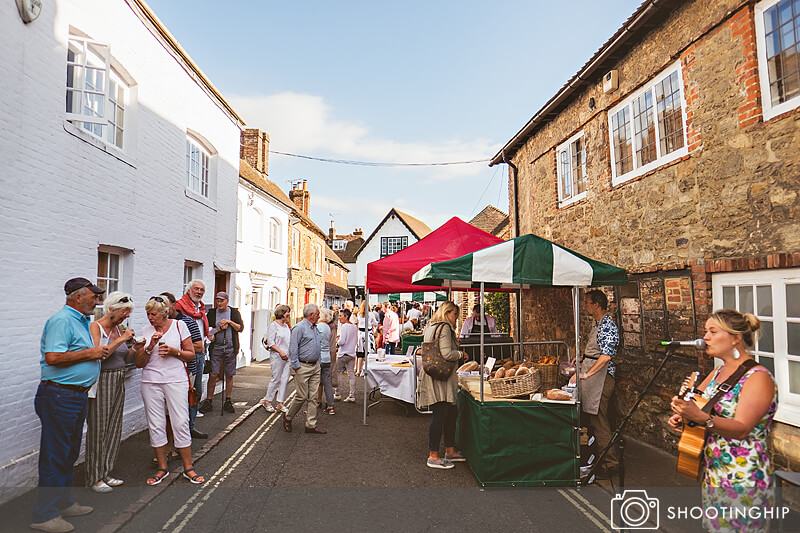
{"points": [[113, 482], [284, 409], [444, 464], [336, 395], [350, 399], [228, 406], [54, 525], [455, 458], [101, 487], [206, 406], [76, 509]]}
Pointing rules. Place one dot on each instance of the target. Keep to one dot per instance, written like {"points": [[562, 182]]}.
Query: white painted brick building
{"points": [[73, 199]]}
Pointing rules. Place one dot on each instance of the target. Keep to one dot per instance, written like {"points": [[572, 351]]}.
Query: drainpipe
{"points": [[515, 197]]}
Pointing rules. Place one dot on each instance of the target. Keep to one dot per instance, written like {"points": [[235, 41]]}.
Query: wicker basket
{"points": [[549, 375], [516, 385]]}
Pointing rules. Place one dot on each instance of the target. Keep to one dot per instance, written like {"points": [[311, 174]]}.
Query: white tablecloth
{"points": [[394, 381]]}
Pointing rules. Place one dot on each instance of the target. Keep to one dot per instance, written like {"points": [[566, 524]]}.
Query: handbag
{"points": [[192, 390], [207, 366], [433, 363]]}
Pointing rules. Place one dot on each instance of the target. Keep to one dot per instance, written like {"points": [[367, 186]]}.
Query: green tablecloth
{"points": [[520, 443], [409, 340]]}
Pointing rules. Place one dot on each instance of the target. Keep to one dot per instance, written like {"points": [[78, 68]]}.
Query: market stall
{"points": [[510, 442], [393, 274]]}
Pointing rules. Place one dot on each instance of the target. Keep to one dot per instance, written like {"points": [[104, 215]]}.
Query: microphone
{"points": [[697, 343]]}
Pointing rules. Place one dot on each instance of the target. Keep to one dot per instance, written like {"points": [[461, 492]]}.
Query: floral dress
{"points": [[738, 473]]}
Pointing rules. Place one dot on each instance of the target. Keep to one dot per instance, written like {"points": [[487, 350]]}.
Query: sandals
{"points": [[330, 410], [197, 479], [159, 476]]}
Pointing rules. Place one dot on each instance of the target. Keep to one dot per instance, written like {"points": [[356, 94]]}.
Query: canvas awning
{"points": [[526, 260], [453, 239], [417, 297]]}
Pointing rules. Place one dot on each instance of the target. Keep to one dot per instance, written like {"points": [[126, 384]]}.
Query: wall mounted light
{"points": [[591, 104]]}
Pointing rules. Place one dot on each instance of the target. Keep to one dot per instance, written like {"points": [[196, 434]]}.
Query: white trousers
{"points": [[280, 378], [161, 399]]}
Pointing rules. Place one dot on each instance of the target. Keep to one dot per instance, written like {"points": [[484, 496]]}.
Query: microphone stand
{"points": [[618, 433]]}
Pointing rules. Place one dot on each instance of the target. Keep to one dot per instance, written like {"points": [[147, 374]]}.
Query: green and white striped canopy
{"points": [[417, 297], [526, 260]]}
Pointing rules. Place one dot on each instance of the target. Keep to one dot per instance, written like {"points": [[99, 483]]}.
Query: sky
{"points": [[389, 82]]}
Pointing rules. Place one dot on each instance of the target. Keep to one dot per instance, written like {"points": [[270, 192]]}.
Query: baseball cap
{"points": [[222, 295], [79, 283]]}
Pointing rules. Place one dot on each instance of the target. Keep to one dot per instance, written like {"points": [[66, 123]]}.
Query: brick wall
{"points": [[64, 196], [730, 204]]}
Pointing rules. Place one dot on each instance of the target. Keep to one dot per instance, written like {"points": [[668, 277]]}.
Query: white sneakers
{"points": [[350, 399], [336, 395], [101, 487]]}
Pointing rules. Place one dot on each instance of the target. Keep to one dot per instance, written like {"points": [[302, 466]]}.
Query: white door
{"points": [[261, 316]]}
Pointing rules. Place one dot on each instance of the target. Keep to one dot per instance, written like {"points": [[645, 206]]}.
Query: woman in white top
{"points": [[165, 386], [276, 340]]}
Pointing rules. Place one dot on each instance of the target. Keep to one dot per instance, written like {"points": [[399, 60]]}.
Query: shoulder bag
{"points": [[433, 363]]}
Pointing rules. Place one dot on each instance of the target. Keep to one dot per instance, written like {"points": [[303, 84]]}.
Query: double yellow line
{"points": [[587, 509], [219, 477]]}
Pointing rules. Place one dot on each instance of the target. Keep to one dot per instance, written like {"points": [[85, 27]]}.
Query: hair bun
{"points": [[752, 321]]}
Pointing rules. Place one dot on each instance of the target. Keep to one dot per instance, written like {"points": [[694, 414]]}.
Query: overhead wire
{"points": [[378, 164], [496, 169]]}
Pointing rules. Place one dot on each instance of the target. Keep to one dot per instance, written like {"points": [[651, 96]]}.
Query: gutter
{"points": [[636, 20]]}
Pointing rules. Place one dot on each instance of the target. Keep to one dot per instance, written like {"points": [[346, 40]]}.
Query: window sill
{"points": [[569, 201], [199, 198], [88, 138], [653, 165], [275, 251]]}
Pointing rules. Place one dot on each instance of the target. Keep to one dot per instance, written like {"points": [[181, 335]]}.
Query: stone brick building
{"points": [[336, 272], [674, 153], [306, 255]]}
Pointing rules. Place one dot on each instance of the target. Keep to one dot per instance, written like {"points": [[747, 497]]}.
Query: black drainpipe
{"points": [[515, 197]]}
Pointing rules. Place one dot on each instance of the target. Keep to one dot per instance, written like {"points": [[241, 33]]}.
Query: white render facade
{"points": [[111, 199], [262, 259]]}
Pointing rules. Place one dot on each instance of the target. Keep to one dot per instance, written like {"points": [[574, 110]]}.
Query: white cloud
{"points": [[304, 124]]}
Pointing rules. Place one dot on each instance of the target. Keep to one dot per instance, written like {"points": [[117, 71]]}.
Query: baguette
{"points": [[558, 394]]}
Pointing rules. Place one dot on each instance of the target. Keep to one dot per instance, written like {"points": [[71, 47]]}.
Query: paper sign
{"points": [[489, 365]]}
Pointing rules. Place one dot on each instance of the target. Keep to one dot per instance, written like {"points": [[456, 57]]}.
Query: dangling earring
{"points": [[736, 354]]}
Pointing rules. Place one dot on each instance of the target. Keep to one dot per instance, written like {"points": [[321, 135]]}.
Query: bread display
{"points": [[510, 373], [469, 367], [522, 371], [558, 394], [501, 373]]}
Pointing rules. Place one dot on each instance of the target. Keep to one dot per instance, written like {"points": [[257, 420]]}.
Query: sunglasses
{"points": [[159, 299], [125, 300]]}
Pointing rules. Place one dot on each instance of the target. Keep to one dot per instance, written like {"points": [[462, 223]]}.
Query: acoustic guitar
{"points": [[693, 438]]}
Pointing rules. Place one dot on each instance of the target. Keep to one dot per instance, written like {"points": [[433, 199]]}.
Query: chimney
{"points": [[301, 197], [332, 233], [254, 149], [357, 232]]}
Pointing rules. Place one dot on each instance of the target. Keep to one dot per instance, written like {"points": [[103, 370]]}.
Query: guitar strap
{"points": [[729, 384]]}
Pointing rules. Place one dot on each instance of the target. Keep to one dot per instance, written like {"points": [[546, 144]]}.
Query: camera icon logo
{"points": [[633, 509]]}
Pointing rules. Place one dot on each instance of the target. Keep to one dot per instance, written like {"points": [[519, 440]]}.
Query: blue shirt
{"points": [[607, 340], [304, 344], [324, 342], [68, 331]]}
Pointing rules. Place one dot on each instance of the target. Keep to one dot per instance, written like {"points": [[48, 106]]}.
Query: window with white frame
{"points": [[571, 169], [274, 235], [318, 258], [261, 231], [274, 298], [778, 47], [97, 93], [648, 129], [390, 245], [191, 272], [198, 160], [109, 271], [774, 297], [338, 245], [295, 248]]}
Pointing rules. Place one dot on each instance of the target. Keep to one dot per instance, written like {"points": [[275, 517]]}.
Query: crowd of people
{"points": [[83, 366]]}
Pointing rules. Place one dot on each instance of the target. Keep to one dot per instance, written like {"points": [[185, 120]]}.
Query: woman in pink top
{"points": [[391, 329], [165, 386]]}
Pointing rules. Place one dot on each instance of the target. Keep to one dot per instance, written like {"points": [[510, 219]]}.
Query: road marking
{"points": [[568, 495], [218, 477]]}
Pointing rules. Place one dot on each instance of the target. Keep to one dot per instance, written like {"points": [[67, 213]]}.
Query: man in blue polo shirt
{"points": [[70, 365]]}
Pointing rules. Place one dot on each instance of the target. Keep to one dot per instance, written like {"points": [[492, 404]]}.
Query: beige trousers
{"points": [[306, 383]]}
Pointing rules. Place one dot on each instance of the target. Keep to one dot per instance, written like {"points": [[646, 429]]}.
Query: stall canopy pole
{"points": [[519, 321], [450, 290], [366, 348], [576, 312], [482, 320]]}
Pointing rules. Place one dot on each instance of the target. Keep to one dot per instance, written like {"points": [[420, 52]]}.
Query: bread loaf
{"points": [[501, 373], [558, 394], [508, 365], [510, 373], [468, 367], [521, 371]]}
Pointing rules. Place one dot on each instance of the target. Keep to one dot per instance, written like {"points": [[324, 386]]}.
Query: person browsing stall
{"points": [[738, 473], [70, 365]]}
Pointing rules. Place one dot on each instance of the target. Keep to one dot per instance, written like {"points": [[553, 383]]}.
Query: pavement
{"points": [[393, 439]]}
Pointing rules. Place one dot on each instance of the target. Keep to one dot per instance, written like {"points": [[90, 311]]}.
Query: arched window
{"points": [[274, 234]]}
